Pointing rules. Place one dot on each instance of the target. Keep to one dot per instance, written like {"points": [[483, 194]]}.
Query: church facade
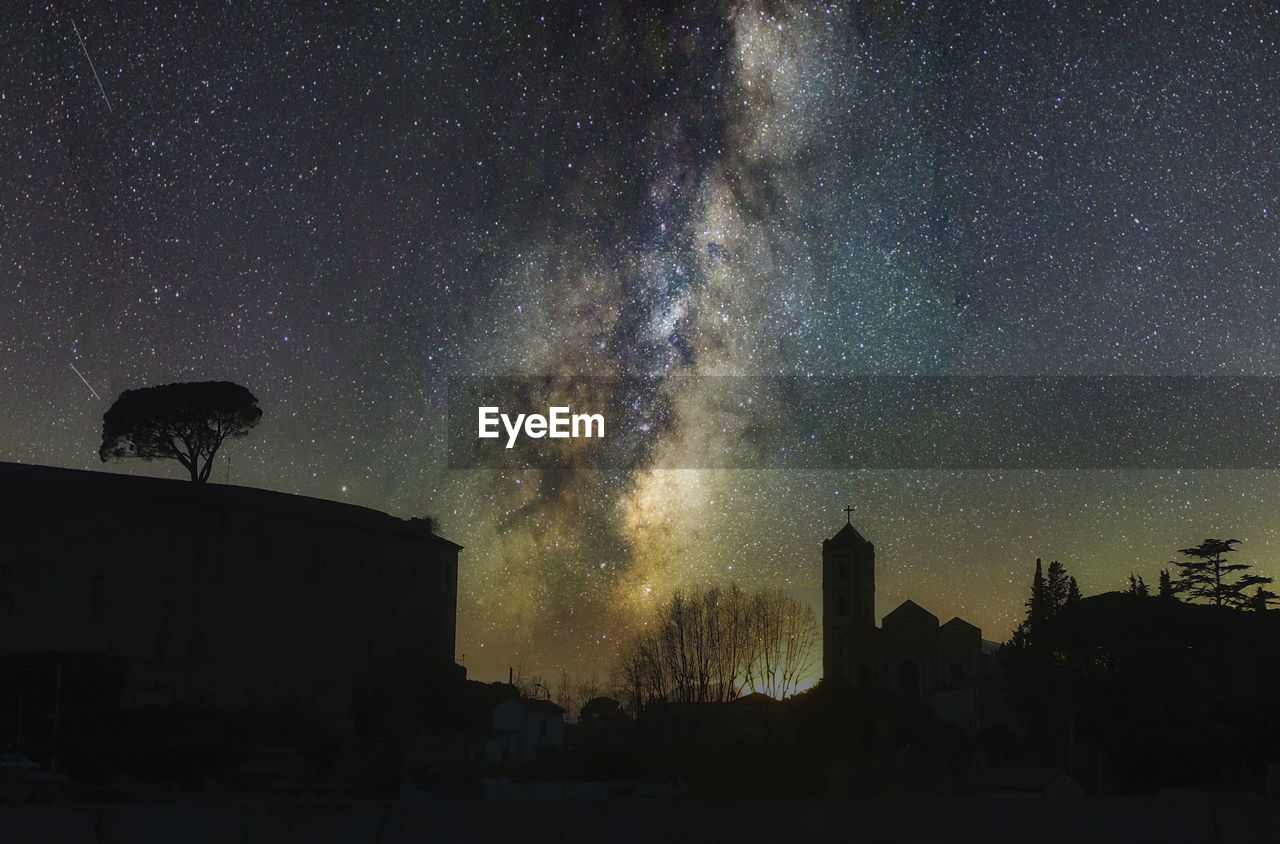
{"points": [[910, 652]]}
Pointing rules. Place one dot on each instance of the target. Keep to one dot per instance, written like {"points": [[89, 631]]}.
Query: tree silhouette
{"points": [[1073, 591], [1166, 585], [1057, 586], [1039, 607], [783, 635], [1210, 577], [183, 422], [1048, 595], [1261, 598], [710, 645]]}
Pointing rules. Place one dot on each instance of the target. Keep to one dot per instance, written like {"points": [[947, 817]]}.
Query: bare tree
{"points": [[709, 645], [642, 672], [590, 687], [564, 693], [785, 637], [736, 643], [799, 636]]}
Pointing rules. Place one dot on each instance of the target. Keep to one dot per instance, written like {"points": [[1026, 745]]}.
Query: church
{"points": [[942, 664]]}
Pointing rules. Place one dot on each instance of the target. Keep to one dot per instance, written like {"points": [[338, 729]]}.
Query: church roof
{"points": [[848, 535], [910, 608], [960, 622]]}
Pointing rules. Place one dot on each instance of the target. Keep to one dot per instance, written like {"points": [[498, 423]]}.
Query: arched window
{"points": [[842, 604], [955, 674], [863, 676]]}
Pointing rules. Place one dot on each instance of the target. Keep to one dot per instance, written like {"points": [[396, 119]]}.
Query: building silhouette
{"points": [[222, 597], [947, 665]]}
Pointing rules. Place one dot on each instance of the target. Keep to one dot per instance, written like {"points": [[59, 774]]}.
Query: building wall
{"points": [[241, 591], [959, 652], [864, 664], [524, 732], [910, 638]]}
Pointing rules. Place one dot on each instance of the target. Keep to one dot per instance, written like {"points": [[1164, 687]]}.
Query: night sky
{"points": [[339, 205]]}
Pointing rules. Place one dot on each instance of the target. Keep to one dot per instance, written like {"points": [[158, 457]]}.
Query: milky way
{"points": [[341, 206]]}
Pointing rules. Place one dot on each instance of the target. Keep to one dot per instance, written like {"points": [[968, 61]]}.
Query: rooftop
{"points": [[22, 478]]}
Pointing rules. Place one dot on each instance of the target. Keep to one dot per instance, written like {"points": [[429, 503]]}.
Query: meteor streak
{"points": [[100, 88], [86, 383]]}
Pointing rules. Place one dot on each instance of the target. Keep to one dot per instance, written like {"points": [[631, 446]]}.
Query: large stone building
{"points": [[225, 596], [944, 664]]}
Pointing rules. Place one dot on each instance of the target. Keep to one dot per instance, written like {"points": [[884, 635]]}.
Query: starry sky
{"points": [[340, 205]]}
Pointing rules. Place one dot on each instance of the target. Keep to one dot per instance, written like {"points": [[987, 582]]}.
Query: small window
{"points": [[842, 604], [955, 673], [544, 727]]}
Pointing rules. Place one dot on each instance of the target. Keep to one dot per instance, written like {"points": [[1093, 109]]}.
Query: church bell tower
{"points": [[849, 606]]}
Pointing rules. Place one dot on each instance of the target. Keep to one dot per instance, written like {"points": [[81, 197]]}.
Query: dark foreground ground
{"points": [[961, 820]]}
